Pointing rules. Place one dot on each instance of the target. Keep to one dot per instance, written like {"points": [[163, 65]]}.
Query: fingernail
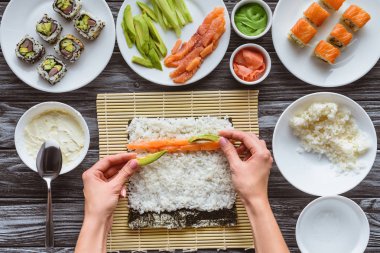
{"points": [[133, 164], [222, 141], [123, 192]]}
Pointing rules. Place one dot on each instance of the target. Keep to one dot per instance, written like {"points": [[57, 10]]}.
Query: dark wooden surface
{"points": [[23, 193]]}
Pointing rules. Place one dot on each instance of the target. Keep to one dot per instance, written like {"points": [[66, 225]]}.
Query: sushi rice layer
{"points": [[199, 180]]}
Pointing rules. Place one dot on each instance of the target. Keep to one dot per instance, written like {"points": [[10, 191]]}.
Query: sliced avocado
{"points": [[23, 50], [58, 67], [48, 64], [155, 59], [147, 10], [142, 61], [70, 48], [143, 161], [29, 54], [204, 137], [156, 36], [142, 33], [63, 4], [127, 38], [128, 23], [44, 28]]}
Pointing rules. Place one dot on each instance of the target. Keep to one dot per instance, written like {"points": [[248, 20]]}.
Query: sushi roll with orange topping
{"points": [[316, 14], [339, 36], [355, 17], [333, 4], [326, 52], [302, 32]]}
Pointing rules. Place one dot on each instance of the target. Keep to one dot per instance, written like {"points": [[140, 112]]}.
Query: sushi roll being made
{"points": [[70, 48], [316, 14], [333, 4], [29, 50], [88, 26], [67, 8], [52, 69], [49, 29], [326, 52], [339, 36], [355, 17], [302, 32]]}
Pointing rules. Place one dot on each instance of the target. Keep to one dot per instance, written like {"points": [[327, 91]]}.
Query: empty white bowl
{"points": [[331, 225], [266, 8], [37, 110], [267, 60]]}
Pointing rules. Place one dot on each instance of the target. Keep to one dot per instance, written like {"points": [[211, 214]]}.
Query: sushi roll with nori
{"points": [[49, 29], [70, 48], [67, 8], [52, 69], [88, 26], [29, 50]]}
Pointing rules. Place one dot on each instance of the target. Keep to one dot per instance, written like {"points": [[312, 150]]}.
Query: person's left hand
{"points": [[104, 183]]}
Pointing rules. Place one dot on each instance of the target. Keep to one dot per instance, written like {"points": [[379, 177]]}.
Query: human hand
{"points": [[105, 182], [250, 175]]}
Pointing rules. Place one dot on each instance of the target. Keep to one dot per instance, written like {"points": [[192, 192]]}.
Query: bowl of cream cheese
{"points": [[52, 121]]}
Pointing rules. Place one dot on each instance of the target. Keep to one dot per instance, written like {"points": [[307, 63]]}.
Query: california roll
{"points": [[52, 69], [88, 26], [49, 29], [67, 8], [29, 50], [70, 48]]}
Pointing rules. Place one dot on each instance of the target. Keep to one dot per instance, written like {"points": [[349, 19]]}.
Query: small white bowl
{"points": [[266, 8], [37, 110], [267, 59], [332, 224]]}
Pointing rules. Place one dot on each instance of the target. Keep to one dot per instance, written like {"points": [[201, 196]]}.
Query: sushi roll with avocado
{"points": [[88, 26], [70, 48], [29, 50], [49, 29], [67, 8], [52, 69]]}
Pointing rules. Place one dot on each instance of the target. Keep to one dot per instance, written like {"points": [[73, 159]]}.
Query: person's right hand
{"points": [[249, 175]]}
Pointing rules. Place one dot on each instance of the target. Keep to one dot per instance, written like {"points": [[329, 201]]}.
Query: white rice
{"points": [[327, 129], [197, 180]]}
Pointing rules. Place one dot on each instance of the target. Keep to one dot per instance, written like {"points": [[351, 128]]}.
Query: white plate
{"points": [[307, 171], [332, 225], [199, 10], [41, 108], [20, 18], [356, 60]]}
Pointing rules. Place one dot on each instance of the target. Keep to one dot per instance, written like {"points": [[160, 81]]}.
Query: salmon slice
{"points": [[185, 49], [355, 17], [207, 51], [176, 46], [186, 61], [217, 12], [339, 36], [193, 147], [157, 144], [302, 32], [326, 52], [333, 4], [215, 26], [194, 64], [185, 76], [316, 14]]}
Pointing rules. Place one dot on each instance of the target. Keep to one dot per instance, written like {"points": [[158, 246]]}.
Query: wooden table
{"points": [[23, 193]]}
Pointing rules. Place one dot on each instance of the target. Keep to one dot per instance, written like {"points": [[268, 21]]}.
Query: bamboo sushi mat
{"points": [[114, 112]]}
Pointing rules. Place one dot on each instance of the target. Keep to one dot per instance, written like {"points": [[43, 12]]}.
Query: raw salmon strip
{"points": [[316, 14]]}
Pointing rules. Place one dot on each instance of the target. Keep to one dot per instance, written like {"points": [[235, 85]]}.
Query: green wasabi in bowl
{"points": [[251, 19]]}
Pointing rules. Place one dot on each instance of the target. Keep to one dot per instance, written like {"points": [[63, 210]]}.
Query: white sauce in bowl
{"points": [[55, 125]]}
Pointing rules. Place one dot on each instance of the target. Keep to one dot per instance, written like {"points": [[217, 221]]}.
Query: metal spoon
{"points": [[49, 164]]}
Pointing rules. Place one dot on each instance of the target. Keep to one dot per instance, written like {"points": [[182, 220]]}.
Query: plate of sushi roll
{"points": [[57, 45], [327, 43]]}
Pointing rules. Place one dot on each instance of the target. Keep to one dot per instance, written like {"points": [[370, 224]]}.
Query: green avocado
{"points": [[204, 137], [150, 158], [44, 28]]}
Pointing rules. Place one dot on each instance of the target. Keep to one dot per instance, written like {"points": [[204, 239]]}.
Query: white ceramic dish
{"points": [[198, 10], [268, 11], [32, 113], [267, 59], [356, 60], [20, 18], [332, 225], [306, 171]]}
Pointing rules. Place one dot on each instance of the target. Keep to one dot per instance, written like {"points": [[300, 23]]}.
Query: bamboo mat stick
{"points": [[116, 110]]}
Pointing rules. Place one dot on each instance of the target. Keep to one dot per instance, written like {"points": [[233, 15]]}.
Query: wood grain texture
{"points": [[22, 192]]}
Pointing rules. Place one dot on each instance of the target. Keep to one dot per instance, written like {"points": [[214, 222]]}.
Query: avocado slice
{"points": [[143, 161], [147, 10], [155, 59], [204, 137], [142, 61], [128, 23], [156, 36], [142, 33]]}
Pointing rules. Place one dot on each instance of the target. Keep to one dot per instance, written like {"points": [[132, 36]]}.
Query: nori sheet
{"points": [[183, 218]]}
